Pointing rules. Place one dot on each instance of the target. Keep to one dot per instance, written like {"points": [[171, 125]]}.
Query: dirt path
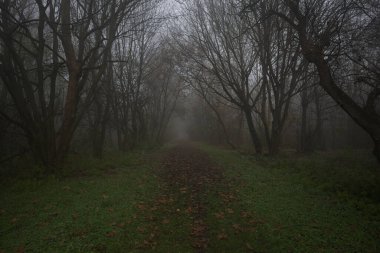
{"points": [[196, 207], [191, 172]]}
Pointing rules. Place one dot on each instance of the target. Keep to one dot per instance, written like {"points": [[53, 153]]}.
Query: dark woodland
{"points": [[189, 126]]}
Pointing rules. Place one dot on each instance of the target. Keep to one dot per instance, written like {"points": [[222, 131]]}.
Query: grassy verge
{"points": [[92, 206], [318, 203]]}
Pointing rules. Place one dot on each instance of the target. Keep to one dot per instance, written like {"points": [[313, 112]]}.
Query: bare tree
{"points": [[143, 95], [86, 47], [282, 70], [52, 85], [29, 74], [164, 89], [218, 45], [323, 29]]}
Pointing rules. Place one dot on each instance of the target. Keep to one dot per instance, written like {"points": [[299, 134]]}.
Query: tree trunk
{"points": [[276, 132], [368, 121], [313, 51], [42, 150], [98, 147], [365, 117], [74, 69], [303, 148], [252, 130], [318, 140], [100, 133], [376, 149], [274, 145], [69, 116], [221, 123]]}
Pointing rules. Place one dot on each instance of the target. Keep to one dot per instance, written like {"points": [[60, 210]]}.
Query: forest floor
{"points": [[192, 197]]}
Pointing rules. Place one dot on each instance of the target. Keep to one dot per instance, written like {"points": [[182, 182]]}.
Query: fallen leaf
{"points": [[121, 225], [100, 248], [244, 214], [43, 224], [20, 249], [80, 233], [200, 243], [53, 214], [198, 229], [222, 236], [66, 188], [163, 200], [111, 234], [150, 218], [249, 246], [219, 215], [237, 227], [255, 222]]}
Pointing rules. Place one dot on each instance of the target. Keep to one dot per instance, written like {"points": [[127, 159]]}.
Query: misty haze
{"points": [[189, 126]]}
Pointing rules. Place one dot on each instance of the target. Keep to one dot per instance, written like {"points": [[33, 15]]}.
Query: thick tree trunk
{"points": [[274, 147], [43, 150], [313, 51], [276, 133], [275, 143], [72, 97], [99, 133], [99, 148], [252, 130], [365, 117], [69, 117], [370, 122]]}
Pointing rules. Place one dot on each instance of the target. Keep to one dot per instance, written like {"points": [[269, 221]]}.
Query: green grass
{"points": [[89, 207], [326, 202], [318, 203]]}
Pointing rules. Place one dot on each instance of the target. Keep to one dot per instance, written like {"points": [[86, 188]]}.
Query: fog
{"points": [[189, 126], [218, 72]]}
